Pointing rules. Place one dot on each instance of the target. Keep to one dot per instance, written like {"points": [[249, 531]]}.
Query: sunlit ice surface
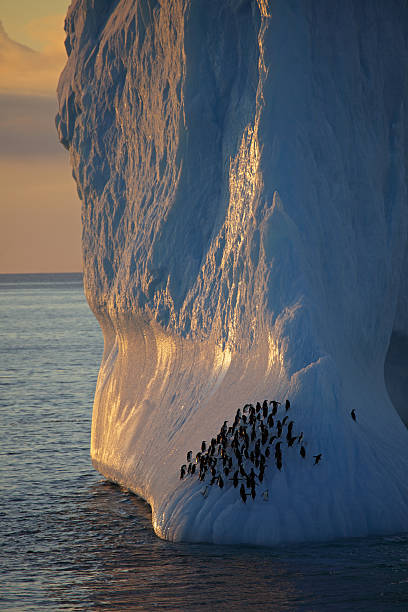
{"points": [[244, 236]]}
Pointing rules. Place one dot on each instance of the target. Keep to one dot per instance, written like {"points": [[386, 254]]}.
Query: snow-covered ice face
{"points": [[242, 167]]}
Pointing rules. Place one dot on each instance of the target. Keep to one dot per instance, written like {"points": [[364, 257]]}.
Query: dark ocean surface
{"points": [[72, 541]]}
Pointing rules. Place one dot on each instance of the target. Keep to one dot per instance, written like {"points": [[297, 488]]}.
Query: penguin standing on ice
{"points": [[287, 405], [189, 455], [302, 452], [242, 493], [274, 407], [203, 446], [182, 472], [317, 458], [265, 409], [353, 415]]}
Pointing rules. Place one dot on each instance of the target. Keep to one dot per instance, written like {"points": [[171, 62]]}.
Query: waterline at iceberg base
{"points": [[242, 170]]}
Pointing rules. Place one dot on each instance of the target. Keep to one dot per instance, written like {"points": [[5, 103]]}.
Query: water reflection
{"points": [[119, 564]]}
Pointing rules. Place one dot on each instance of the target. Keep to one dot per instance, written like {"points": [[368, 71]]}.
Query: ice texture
{"points": [[242, 167]]}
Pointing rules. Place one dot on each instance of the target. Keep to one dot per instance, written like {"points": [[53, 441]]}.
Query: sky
{"points": [[40, 212]]}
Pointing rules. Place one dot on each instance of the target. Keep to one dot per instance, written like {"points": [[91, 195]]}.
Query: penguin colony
{"points": [[257, 440]]}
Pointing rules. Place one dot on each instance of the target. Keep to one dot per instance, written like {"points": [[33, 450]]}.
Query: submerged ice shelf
{"points": [[243, 172]]}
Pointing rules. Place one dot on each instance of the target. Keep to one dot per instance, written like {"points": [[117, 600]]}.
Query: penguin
{"points": [[182, 472], [265, 495], [253, 492], [267, 452], [287, 405], [300, 438], [265, 409], [279, 429], [271, 439], [317, 458], [213, 479], [197, 457], [270, 420], [203, 446], [302, 452], [193, 468], [189, 468], [279, 463], [264, 437], [290, 426], [204, 493], [258, 406], [220, 482], [291, 440], [189, 455], [274, 407], [284, 420], [242, 493], [235, 479], [353, 415]]}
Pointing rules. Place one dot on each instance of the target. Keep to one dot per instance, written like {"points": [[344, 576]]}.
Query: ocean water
{"points": [[72, 541]]}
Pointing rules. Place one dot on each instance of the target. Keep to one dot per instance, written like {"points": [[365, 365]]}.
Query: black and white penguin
{"points": [[203, 446], [353, 415], [287, 405], [275, 405], [265, 409], [189, 456], [182, 472], [317, 458]]}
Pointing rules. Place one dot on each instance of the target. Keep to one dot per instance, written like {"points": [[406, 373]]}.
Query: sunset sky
{"points": [[39, 207]]}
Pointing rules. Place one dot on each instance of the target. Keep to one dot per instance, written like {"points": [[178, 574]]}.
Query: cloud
{"points": [[27, 72]]}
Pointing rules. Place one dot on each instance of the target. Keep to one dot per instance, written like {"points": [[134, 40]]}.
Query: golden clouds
{"points": [[27, 72]]}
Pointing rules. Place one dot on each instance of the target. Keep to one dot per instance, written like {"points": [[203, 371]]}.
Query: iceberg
{"points": [[242, 167]]}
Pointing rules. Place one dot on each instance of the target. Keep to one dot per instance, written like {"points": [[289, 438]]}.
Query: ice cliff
{"points": [[242, 167]]}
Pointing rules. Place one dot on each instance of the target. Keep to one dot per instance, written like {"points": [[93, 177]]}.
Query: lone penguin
{"points": [[302, 452], [353, 415], [317, 458], [182, 472], [287, 405]]}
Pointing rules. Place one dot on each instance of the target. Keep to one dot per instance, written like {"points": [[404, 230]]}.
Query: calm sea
{"points": [[72, 541]]}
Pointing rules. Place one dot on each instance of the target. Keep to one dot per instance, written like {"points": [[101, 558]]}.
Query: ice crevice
{"points": [[242, 167]]}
